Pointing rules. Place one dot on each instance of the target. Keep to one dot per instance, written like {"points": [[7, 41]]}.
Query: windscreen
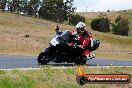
{"points": [[66, 36]]}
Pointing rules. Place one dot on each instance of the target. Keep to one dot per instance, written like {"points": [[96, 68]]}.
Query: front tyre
{"points": [[43, 59], [81, 61]]}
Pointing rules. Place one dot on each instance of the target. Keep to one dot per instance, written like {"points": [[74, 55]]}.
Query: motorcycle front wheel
{"points": [[43, 59]]}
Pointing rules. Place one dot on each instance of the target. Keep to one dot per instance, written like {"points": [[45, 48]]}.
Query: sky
{"points": [[102, 5]]}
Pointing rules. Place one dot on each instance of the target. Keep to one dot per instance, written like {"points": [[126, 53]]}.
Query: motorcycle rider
{"points": [[84, 37]]}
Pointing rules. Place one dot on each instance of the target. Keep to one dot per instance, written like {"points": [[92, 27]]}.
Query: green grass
{"points": [[25, 82], [14, 79], [48, 77], [88, 23], [130, 35], [113, 46], [113, 39]]}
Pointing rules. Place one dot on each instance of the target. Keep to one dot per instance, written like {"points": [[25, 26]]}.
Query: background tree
{"points": [[101, 24], [56, 10], [49, 9], [76, 18], [121, 26], [69, 9], [3, 4], [15, 5], [33, 6], [108, 10]]}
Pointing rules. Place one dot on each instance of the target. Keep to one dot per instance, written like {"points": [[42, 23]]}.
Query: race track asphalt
{"points": [[21, 61]]}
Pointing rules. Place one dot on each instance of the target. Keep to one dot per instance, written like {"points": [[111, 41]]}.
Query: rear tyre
{"points": [[43, 59]]}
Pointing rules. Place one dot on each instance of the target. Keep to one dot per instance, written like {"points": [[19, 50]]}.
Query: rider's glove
{"points": [[57, 28], [78, 46]]}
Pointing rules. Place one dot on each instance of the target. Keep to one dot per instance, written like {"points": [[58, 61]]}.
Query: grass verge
{"points": [[48, 77]]}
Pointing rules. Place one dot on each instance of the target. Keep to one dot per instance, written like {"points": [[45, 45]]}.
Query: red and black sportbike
{"points": [[60, 52]]}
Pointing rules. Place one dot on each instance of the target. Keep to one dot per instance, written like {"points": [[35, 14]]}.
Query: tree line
{"points": [[59, 11], [120, 26], [55, 10]]}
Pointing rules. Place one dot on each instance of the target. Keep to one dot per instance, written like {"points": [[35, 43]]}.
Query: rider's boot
{"points": [[90, 56]]}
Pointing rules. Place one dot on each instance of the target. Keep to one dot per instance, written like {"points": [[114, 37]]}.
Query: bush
{"points": [[108, 10], [101, 24], [121, 26], [74, 19]]}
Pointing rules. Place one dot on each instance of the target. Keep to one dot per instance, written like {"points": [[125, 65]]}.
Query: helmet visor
{"points": [[80, 30]]}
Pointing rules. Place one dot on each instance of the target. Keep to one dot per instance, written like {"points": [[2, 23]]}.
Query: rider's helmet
{"points": [[80, 27]]}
